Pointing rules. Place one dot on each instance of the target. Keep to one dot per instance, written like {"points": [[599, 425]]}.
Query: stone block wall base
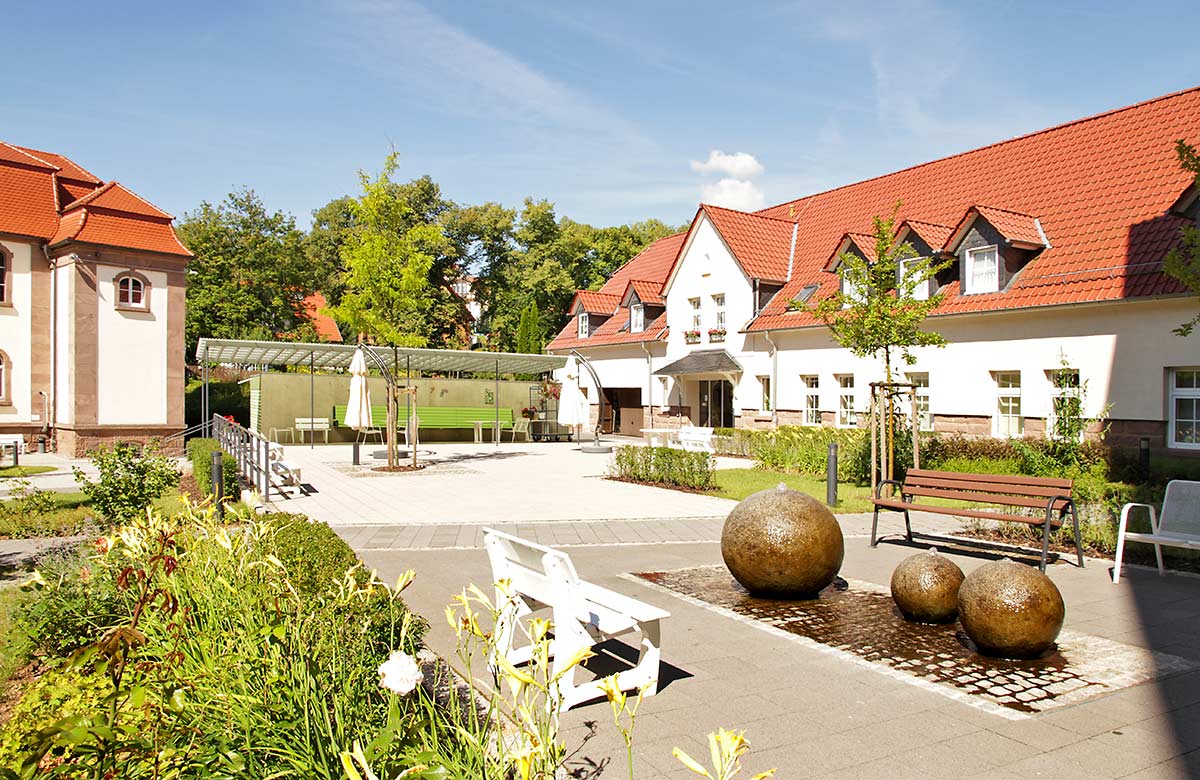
{"points": [[77, 443]]}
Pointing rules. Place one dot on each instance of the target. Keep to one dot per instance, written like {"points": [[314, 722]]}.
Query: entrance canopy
{"points": [[705, 361], [291, 353]]}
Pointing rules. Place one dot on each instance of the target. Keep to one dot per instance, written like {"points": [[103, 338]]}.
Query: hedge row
{"points": [[199, 452], [665, 466]]}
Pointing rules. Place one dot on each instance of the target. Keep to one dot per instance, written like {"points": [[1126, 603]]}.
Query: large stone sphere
{"points": [[781, 543], [1010, 610], [925, 587]]}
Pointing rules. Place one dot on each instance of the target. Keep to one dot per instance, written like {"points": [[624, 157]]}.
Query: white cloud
{"points": [[734, 194], [738, 165]]}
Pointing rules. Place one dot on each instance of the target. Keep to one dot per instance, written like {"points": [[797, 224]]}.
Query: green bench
{"points": [[442, 417]]}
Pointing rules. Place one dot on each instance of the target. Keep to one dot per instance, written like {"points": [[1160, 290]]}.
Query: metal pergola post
{"points": [[312, 398], [496, 402], [205, 417]]}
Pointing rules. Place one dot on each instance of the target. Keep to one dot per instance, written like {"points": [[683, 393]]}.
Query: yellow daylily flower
{"points": [[690, 763], [405, 580]]}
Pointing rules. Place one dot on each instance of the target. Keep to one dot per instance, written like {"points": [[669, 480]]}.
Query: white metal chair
{"points": [[1177, 526], [584, 614], [521, 426]]}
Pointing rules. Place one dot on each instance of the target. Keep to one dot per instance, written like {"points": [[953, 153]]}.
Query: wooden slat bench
{"points": [[999, 490], [448, 417], [312, 426]]}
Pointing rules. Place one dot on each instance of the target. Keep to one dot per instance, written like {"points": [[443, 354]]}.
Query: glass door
{"points": [[716, 404]]}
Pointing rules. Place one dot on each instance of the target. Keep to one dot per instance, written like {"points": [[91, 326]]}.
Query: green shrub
{"points": [[72, 600], [130, 479], [664, 466], [228, 399], [312, 553], [738, 442], [804, 450], [199, 452]]}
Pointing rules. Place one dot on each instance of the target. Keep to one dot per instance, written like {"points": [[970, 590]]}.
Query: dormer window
{"points": [[133, 291], [907, 269], [583, 325], [982, 271], [637, 318], [851, 291]]}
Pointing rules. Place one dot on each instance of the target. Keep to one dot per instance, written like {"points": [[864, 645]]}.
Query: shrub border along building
{"points": [[199, 452]]}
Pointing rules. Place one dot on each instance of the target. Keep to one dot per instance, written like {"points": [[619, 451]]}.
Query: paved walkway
{"points": [[481, 484], [61, 480]]}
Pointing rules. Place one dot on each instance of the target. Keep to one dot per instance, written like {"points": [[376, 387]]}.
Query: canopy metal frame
{"points": [[243, 352]]}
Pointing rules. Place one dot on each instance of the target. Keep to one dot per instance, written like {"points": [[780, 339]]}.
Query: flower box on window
{"points": [[716, 334], [691, 336]]}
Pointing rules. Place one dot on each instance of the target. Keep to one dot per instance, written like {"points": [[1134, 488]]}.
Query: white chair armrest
{"points": [[1125, 516]]}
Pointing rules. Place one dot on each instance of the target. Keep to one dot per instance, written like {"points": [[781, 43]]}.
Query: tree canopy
{"points": [[1183, 263]]}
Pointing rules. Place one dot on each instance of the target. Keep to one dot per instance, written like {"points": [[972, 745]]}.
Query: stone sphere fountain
{"points": [[782, 543], [925, 587], [1010, 610]]}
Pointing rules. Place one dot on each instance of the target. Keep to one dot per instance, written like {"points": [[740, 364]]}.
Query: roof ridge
{"points": [[86, 199], [34, 157], [31, 150], [999, 208], [748, 213], [1023, 136], [934, 224], [143, 200]]}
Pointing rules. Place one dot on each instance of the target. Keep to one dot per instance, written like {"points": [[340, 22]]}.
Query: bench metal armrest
{"points": [[1067, 501], [1125, 517], [897, 483]]}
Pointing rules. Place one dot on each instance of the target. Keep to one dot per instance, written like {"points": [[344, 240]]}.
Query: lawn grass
{"points": [[739, 483], [24, 471]]}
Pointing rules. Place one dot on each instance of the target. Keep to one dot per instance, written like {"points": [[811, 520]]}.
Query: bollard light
{"points": [[831, 486]]}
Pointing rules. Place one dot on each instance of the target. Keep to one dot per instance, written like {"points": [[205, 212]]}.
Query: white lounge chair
{"points": [[584, 614], [694, 439], [1177, 526]]}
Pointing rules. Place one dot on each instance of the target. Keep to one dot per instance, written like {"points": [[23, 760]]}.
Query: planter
{"points": [[715, 336], [691, 336]]}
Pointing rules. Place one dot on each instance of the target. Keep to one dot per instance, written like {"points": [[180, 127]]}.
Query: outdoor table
{"points": [[479, 430], [276, 433]]}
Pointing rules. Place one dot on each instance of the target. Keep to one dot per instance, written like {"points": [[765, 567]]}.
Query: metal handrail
{"points": [[251, 451]]}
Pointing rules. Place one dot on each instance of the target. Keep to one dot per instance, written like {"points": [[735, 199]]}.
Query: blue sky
{"points": [[611, 110]]}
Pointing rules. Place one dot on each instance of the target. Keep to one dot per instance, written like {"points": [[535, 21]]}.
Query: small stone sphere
{"points": [[925, 587], [1010, 610], [782, 543]]}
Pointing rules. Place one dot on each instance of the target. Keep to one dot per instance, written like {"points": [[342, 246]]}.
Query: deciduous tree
{"points": [[1183, 262]]}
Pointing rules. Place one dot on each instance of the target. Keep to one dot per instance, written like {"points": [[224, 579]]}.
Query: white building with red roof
{"points": [[1054, 242], [92, 280]]}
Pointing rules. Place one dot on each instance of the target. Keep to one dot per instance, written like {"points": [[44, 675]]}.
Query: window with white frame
{"points": [[851, 289], [637, 318], [810, 385], [719, 307], [5, 276], [5, 379], [133, 291], [907, 270], [1185, 408], [1065, 398], [583, 325], [765, 383], [846, 417], [695, 304], [666, 392], [921, 391], [1008, 421], [983, 271]]}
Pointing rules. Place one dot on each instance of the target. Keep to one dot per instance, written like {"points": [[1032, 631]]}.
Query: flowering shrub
{"points": [[129, 480]]}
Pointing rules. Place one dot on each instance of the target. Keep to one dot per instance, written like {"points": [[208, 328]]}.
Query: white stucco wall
{"points": [[131, 360], [15, 335], [64, 376]]}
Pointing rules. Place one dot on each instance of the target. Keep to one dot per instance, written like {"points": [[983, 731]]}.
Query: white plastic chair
{"points": [[1177, 526]]}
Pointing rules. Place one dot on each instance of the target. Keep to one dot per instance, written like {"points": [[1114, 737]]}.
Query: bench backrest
{"points": [[312, 423], [696, 439], [435, 416], [378, 416], [542, 573], [1181, 508], [1022, 491]]}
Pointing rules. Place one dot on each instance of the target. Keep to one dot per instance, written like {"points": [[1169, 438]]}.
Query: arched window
{"points": [[5, 380], [133, 291]]}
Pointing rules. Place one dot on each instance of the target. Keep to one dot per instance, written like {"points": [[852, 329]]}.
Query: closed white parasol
{"points": [[358, 408], [572, 405]]}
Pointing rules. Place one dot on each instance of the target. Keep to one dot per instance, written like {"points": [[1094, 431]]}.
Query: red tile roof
{"points": [[864, 242], [933, 235], [614, 331], [647, 291], [654, 263], [48, 196], [1101, 187], [762, 244], [1017, 228], [594, 302], [327, 329]]}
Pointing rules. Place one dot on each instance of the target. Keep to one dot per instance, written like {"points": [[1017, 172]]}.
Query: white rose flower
{"points": [[400, 673]]}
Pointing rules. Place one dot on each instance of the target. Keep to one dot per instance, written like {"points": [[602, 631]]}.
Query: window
{"points": [[695, 302], [5, 380], [851, 290], [666, 393], [1008, 420], [1065, 399], [637, 318], [5, 276], [846, 417], [719, 305], [133, 291], [907, 269], [983, 271], [583, 325], [1185, 408], [765, 383], [812, 399], [924, 418]]}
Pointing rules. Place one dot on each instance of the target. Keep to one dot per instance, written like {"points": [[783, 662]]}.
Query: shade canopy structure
{"points": [[318, 355], [389, 361]]}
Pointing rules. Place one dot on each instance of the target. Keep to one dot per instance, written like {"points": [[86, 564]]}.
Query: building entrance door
{"points": [[716, 404]]}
